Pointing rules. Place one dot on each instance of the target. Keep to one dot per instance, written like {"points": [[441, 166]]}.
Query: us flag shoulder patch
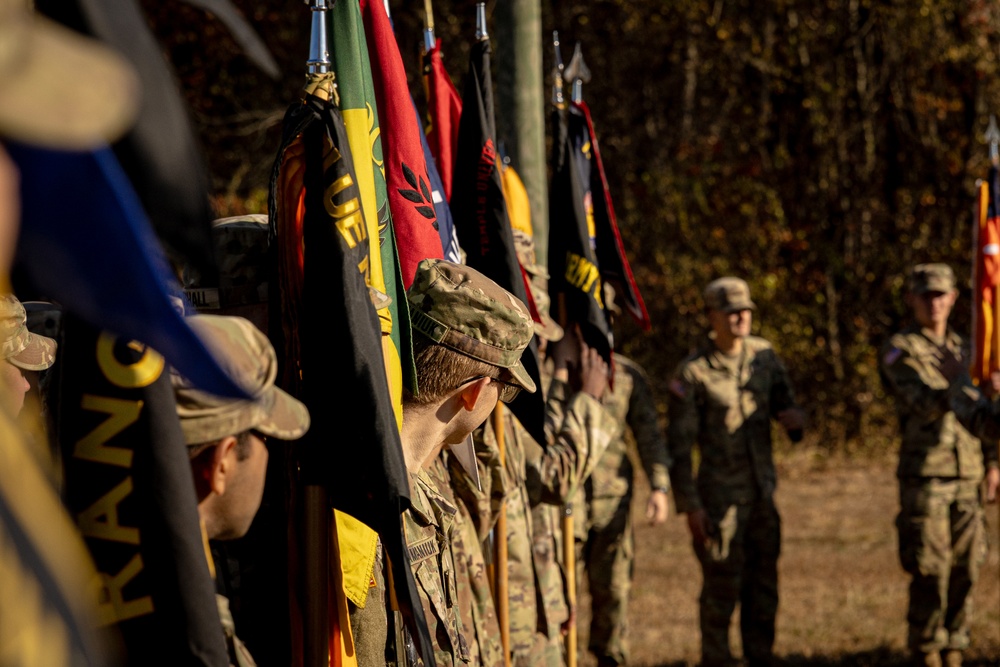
{"points": [[891, 356], [677, 388]]}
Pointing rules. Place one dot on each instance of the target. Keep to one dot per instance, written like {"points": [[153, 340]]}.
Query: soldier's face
{"points": [[244, 492], [731, 325], [13, 386], [931, 309]]}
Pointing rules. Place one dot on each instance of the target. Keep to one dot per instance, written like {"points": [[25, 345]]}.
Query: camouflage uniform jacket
{"points": [[577, 441], [475, 599], [427, 526], [725, 406], [631, 404], [934, 441]]}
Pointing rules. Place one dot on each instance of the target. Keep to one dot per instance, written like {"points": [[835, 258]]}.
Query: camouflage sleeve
{"points": [[682, 434], [555, 407], [782, 393], [979, 415], [649, 438], [917, 395], [570, 457]]}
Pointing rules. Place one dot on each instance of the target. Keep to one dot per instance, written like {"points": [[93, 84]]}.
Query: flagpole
{"points": [[429, 39], [317, 519]]}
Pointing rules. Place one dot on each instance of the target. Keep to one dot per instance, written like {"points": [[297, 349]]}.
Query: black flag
{"points": [[480, 215], [329, 330], [129, 487], [575, 274]]}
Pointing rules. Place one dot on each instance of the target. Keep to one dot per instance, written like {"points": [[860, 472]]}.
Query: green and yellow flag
{"points": [[360, 112]]}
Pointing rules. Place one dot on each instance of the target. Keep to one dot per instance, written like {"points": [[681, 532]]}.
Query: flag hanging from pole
{"points": [[610, 250], [480, 215], [444, 110], [361, 119], [986, 280], [324, 256], [414, 218], [575, 277]]}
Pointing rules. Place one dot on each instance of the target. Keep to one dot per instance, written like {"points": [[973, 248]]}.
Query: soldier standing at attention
{"points": [[604, 530], [469, 337], [942, 541], [226, 438], [723, 398]]}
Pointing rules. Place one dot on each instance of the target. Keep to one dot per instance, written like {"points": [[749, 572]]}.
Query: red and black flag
{"points": [[129, 487], [337, 369], [576, 279], [480, 214], [610, 250]]}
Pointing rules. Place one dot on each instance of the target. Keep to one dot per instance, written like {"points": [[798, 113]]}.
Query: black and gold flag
{"points": [[130, 489]]}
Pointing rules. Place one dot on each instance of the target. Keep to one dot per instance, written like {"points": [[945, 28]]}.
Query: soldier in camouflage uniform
{"points": [[226, 438], [942, 542], [604, 525], [20, 351], [723, 398], [467, 355]]}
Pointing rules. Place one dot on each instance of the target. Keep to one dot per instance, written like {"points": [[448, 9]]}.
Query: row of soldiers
{"points": [[469, 341]]}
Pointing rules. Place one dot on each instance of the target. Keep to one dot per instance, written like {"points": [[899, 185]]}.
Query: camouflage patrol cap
{"points": [[728, 294], [246, 354], [460, 308], [931, 278], [524, 246], [548, 328], [18, 345]]}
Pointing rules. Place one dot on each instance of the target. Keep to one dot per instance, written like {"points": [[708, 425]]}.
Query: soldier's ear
{"points": [[470, 393]]}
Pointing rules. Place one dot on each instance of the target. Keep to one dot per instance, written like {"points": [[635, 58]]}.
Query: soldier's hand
{"points": [[569, 622], [952, 366], [993, 388], [593, 372], [992, 483], [699, 526], [658, 507], [792, 419]]}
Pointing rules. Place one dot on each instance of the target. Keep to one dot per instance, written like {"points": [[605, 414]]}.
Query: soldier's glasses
{"points": [[508, 390]]}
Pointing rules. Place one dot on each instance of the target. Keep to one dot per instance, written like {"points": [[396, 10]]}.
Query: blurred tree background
{"points": [[817, 148]]}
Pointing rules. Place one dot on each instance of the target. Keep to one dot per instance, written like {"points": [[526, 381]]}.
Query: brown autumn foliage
{"points": [[817, 148]]}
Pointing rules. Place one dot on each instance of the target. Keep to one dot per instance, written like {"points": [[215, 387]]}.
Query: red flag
{"points": [[986, 346], [444, 108], [410, 200]]}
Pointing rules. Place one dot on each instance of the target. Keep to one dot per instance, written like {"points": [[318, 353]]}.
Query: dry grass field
{"points": [[843, 594]]}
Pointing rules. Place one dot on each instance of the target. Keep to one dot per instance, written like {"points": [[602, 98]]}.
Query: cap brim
{"points": [[67, 91], [39, 354], [288, 418], [735, 307], [521, 377]]}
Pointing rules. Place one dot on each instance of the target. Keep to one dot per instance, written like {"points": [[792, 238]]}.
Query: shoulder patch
{"points": [[678, 388], [891, 356]]}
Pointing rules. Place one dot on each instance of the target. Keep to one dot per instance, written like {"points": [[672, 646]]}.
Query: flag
{"points": [[331, 335], [575, 278], [444, 109], [986, 280], [361, 119], [446, 226], [86, 243], [160, 154], [414, 218], [480, 214], [611, 257], [516, 197], [129, 486]]}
